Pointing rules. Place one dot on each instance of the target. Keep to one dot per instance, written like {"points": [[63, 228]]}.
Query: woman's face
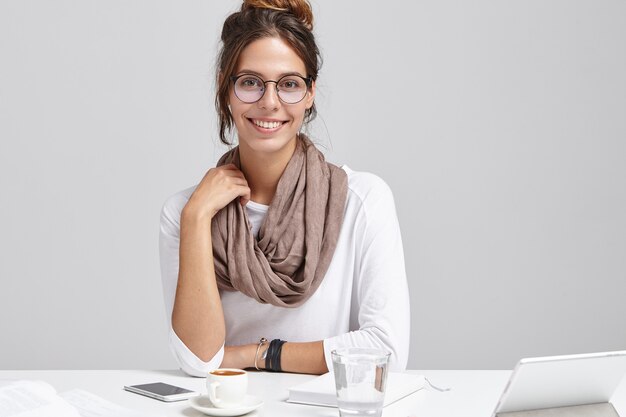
{"points": [[269, 125]]}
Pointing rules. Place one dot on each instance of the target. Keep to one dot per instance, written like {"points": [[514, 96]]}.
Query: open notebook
{"points": [[321, 390]]}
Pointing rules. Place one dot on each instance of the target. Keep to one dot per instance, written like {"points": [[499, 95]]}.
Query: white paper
{"points": [[90, 405], [32, 399], [39, 399]]}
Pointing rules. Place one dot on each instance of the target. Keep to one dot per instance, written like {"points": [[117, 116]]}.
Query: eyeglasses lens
{"points": [[291, 89]]}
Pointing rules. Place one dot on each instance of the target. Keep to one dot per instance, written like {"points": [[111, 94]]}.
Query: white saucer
{"points": [[203, 404]]}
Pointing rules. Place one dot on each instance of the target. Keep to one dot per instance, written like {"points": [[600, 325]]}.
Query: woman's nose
{"points": [[270, 100]]}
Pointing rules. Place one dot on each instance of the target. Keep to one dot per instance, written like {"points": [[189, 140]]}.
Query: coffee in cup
{"points": [[227, 372], [227, 387]]}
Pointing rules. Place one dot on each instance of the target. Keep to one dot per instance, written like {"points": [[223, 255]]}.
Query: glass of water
{"points": [[360, 379]]}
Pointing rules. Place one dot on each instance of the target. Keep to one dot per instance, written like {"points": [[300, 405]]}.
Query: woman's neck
{"points": [[263, 170]]}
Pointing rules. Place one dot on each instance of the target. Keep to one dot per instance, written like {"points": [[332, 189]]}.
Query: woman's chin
{"points": [[266, 144]]}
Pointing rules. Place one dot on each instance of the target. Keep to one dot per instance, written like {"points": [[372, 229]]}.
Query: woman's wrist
{"points": [[242, 357], [195, 215]]}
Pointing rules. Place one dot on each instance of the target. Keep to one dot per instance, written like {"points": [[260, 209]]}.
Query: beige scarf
{"points": [[298, 236]]}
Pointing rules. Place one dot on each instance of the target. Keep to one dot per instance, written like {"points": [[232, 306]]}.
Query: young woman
{"points": [[275, 244]]}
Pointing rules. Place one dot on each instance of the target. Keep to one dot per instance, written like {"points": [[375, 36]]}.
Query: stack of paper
{"points": [[39, 399], [321, 390]]}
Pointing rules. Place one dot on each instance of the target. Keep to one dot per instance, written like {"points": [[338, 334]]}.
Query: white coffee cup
{"points": [[227, 387]]}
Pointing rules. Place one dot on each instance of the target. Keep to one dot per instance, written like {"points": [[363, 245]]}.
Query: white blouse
{"points": [[363, 300]]}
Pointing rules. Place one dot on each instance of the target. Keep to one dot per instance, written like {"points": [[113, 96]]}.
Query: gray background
{"points": [[500, 126]]}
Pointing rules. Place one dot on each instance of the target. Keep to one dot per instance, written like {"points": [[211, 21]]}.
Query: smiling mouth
{"points": [[268, 125]]}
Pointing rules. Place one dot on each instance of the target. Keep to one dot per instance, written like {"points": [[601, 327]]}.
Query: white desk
{"points": [[474, 393]]}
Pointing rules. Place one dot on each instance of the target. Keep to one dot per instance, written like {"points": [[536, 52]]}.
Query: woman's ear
{"points": [[310, 95]]}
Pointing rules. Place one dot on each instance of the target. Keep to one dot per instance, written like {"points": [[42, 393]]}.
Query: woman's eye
{"points": [[290, 84], [250, 82]]}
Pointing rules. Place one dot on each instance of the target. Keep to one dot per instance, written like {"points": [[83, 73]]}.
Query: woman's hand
{"points": [[219, 187]]}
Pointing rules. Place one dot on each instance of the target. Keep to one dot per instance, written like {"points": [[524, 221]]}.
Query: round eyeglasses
{"points": [[291, 89]]}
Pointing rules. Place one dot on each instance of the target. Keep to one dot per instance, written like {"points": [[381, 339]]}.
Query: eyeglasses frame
{"points": [[308, 81]]}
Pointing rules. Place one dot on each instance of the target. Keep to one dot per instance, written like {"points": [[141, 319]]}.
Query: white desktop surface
{"points": [[473, 394]]}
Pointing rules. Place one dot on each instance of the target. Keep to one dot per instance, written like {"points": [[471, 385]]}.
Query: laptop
{"points": [[562, 381]]}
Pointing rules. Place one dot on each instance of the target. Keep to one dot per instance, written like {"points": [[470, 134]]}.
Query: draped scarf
{"points": [[297, 239]]}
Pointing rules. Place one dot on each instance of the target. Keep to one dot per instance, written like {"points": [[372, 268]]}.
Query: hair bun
{"points": [[301, 9]]}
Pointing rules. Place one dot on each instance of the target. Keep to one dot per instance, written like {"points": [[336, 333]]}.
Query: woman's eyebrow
{"points": [[247, 71]]}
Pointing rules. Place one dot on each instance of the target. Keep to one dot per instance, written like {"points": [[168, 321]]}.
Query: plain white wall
{"points": [[500, 127]]}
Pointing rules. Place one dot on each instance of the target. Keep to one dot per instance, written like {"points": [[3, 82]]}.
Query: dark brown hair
{"points": [[290, 20]]}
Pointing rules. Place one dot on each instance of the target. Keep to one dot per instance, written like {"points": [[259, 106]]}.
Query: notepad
{"points": [[321, 390]]}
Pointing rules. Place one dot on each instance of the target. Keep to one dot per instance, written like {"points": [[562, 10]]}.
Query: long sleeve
{"points": [[380, 298], [169, 241]]}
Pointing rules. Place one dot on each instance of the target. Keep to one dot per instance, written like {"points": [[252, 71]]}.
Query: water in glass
{"points": [[360, 378]]}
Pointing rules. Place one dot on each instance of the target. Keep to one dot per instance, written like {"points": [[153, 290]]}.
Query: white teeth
{"points": [[266, 125]]}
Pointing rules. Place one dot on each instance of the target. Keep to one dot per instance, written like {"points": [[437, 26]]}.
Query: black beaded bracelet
{"points": [[272, 361]]}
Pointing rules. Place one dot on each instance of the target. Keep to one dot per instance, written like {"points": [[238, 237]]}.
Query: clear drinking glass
{"points": [[360, 379]]}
